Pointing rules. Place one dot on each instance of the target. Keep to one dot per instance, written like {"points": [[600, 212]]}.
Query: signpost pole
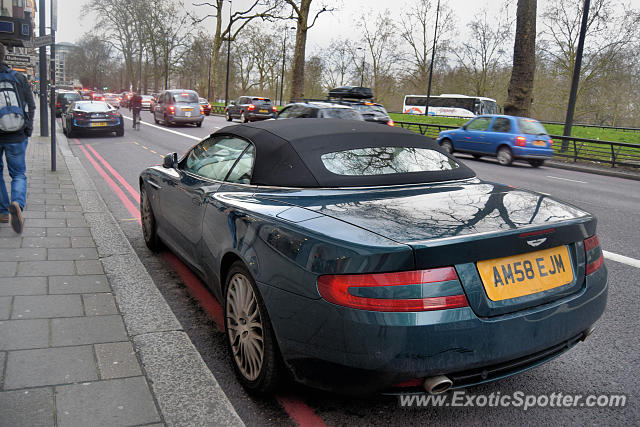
{"points": [[54, 25], [44, 126]]}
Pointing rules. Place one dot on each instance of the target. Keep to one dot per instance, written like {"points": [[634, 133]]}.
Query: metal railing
{"points": [[610, 152]]}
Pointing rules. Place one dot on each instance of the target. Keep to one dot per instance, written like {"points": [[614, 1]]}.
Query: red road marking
{"points": [[125, 184], [197, 289], [299, 411], [135, 212]]}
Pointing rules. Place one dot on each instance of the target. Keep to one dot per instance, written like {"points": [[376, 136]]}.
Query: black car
{"points": [[361, 98], [250, 109], [64, 98], [319, 110], [91, 116]]}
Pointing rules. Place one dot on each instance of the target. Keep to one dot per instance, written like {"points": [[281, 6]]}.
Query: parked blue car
{"points": [[506, 137]]}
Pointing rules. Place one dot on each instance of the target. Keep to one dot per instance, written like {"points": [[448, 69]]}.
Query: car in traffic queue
{"points": [[362, 258], [64, 98], [507, 138], [91, 117], [146, 102], [178, 106], [361, 98], [250, 109], [86, 94], [112, 99], [318, 110], [124, 99], [206, 106]]}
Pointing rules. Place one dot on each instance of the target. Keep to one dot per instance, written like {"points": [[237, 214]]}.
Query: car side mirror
{"points": [[170, 161], [464, 127]]}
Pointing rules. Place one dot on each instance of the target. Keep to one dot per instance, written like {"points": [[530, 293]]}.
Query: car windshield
{"points": [[186, 97], [340, 113], [94, 107], [531, 127], [386, 160]]}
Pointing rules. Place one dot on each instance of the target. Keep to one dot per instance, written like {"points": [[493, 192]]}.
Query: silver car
{"points": [[178, 106]]}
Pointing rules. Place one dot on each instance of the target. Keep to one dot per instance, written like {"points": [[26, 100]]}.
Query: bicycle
{"points": [[136, 118]]}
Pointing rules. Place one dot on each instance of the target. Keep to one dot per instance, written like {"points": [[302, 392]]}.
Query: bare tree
{"points": [[481, 56], [524, 66], [338, 60], [91, 60]]}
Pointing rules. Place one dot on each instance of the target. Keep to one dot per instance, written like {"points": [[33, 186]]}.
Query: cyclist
{"points": [[135, 105]]}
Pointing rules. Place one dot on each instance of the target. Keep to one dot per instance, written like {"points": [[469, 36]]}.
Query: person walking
{"points": [[17, 110]]}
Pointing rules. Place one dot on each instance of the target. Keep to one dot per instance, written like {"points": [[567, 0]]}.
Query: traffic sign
{"points": [[18, 59], [43, 40]]}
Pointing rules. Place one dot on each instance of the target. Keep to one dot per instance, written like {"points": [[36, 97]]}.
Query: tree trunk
{"points": [[297, 72], [520, 95]]}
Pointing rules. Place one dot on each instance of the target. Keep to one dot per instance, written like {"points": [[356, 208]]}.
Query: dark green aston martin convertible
{"points": [[363, 258]]}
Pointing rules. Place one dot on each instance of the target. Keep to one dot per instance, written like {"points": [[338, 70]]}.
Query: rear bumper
{"points": [[258, 116], [532, 153], [179, 119], [356, 351], [110, 127]]}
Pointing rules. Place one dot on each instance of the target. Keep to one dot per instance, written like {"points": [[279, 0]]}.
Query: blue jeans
{"points": [[15, 155]]}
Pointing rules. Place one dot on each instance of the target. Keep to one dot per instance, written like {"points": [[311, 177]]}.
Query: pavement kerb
{"points": [[185, 389]]}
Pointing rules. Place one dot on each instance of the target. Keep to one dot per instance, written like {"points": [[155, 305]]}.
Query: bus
{"points": [[450, 105]]}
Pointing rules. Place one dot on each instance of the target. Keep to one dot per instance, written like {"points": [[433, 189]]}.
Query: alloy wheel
{"points": [[244, 327]]}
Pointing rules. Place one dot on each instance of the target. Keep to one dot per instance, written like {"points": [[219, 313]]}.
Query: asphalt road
{"points": [[606, 363]]}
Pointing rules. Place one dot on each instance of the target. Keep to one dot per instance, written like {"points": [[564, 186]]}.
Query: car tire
{"points": [[148, 220], [263, 375], [166, 121], [70, 132], [536, 163], [155, 119], [199, 124], [120, 131], [243, 118], [227, 116], [505, 156], [447, 145]]}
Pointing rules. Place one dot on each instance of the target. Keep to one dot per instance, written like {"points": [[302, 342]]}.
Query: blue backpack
{"points": [[12, 115]]}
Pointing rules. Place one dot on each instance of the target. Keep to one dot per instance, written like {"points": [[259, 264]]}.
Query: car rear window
{"points": [[94, 107], [386, 160], [531, 127], [69, 96], [371, 109], [185, 97], [340, 113], [261, 101]]}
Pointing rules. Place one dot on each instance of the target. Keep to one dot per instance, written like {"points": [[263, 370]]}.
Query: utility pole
{"points": [[433, 55], [54, 27], [568, 123], [44, 125], [284, 46]]}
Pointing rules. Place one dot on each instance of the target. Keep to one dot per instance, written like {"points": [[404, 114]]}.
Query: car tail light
{"points": [[251, 107], [550, 141], [172, 109], [592, 251], [336, 289], [390, 123], [58, 105], [273, 108], [201, 109], [521, 141]]}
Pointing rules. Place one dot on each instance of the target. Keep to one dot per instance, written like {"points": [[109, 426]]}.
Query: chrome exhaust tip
{"points": [[588, 332], [437, 385]]}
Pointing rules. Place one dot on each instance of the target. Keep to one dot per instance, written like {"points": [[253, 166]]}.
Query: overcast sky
{"points": [[339, 23]]}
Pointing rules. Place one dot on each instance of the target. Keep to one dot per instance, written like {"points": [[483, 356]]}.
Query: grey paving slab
{"points": [[46, 242], [10, 242], [87, 330], [89, 267], [5, 307], [35, 222], [77, 284], [8, 268], [99, 304], [49, 366], [170, 357], [47, 306], [33, 408], [23, 254], [65, 215], [46, 268], [68, 232], [27, 232], [72, 254], [72, 208], [83, 242], [124, 401], [33, 214], [117, 360], [76, 222], [3, 357], [23, 286]]}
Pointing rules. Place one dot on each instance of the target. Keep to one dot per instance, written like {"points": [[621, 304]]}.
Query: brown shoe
{"points": [[17, 223], [4, 217]]}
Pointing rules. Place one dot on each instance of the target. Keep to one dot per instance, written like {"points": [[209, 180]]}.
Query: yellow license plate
{"points": [[97, 124], [264, 111], [187, 109], [530, 273], [540, 143]]}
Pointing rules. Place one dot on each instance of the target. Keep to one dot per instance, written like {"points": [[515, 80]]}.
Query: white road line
{"points": [[621, 258], [168, 130], [566, 179]]}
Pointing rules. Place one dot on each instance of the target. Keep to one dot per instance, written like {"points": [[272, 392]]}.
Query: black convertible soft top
{"points": [[288, 152]]}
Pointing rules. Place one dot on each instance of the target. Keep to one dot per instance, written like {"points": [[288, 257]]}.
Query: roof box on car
{"points": [[354, 92]]}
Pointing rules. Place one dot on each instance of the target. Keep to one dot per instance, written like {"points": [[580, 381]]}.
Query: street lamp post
{"points": [[226, 89]]}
